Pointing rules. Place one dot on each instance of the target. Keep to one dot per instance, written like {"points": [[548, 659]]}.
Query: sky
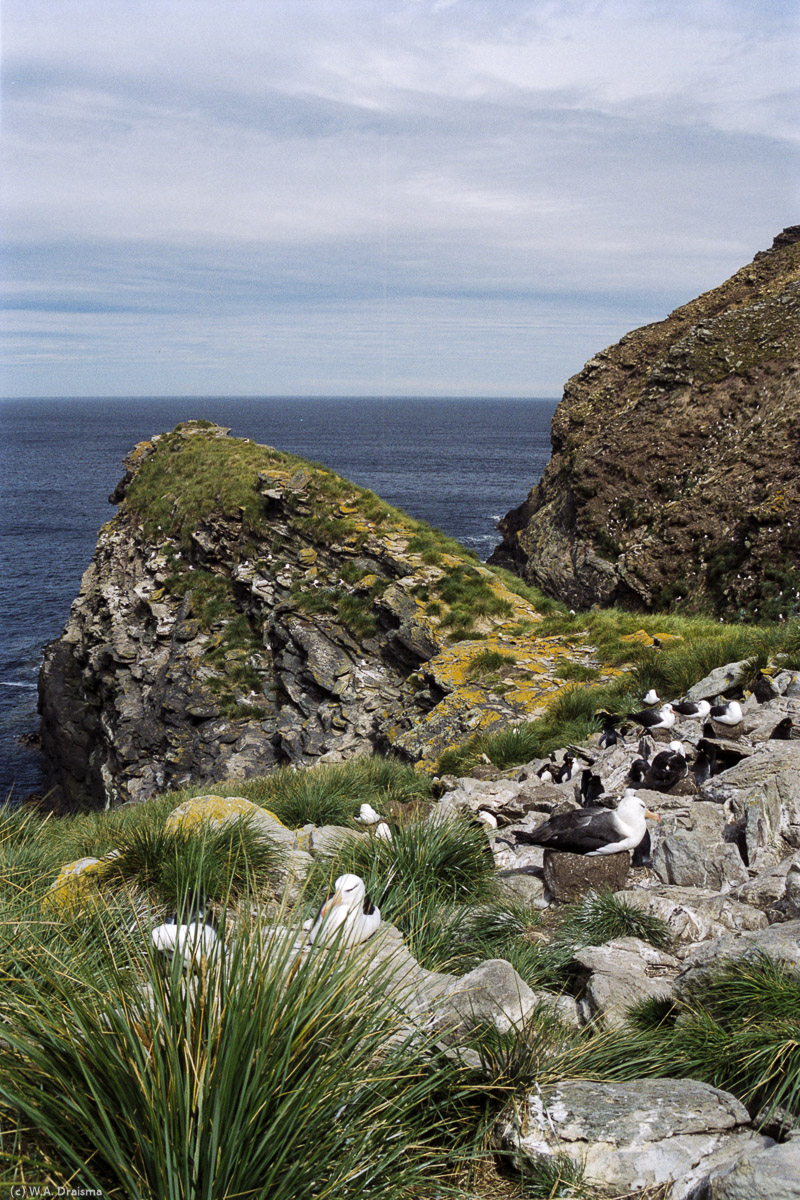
{"points": [[376, 197]]}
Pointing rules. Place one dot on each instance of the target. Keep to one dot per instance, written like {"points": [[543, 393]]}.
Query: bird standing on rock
{"points": [[667, 768], [690, 708], [729, 713], [660, 718], [595, 830]]}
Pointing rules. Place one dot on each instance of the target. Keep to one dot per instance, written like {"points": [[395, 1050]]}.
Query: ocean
{"points": [[459, 464]]}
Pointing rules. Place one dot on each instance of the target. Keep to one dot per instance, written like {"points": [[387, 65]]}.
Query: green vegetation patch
{"points": [[329, 794], [738, 1031], [690, 648]]}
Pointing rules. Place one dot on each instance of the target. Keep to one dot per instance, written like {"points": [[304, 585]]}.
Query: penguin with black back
{"points": [[591, 787], [763, 689], [782, 731]]}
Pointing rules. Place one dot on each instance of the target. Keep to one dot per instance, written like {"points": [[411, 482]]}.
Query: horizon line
{"points": [[282, 396]]}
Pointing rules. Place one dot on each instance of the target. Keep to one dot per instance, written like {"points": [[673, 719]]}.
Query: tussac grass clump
{"points": [[739, 1031], [603, 917], [252, 1081], [421, 880], [220, 864], [329, 794]]}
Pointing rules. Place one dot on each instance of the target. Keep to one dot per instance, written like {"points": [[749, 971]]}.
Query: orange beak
{"points": [[335, 899], [655, 816]]}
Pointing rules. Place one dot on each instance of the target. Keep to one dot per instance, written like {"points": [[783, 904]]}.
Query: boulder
{"points": [[523, 886], [694, 914], [773, 891], [772, 1172], [719, 681], [648, 1133], [764, 793], [327, 840], [77, 885], [491, 994], [781, 942], [569, 876], [688, 860], [614, 977], [218, 811]]}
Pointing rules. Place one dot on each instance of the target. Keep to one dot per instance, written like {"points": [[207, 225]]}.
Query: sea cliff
{"points": [[675, 474], [245, 609]]}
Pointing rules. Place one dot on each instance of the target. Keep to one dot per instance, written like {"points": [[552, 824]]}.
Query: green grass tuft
{"points": [[602, 917]]}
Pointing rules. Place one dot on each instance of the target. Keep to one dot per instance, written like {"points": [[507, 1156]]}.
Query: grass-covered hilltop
{"points": [[675, 476], [246, 609]]}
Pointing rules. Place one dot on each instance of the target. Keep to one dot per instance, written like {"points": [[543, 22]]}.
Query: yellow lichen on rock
{"points": [[643, 638], [213, 810], [77, 885]]}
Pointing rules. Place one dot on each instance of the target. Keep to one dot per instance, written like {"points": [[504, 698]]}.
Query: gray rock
{"points": [[328, 839], [771, 1173], [781, 942], [759, 722], [522, 886], [787, 683], [569, 876], [689, 861], [293, 875], [631, 1136], [491, 994], [769, 889], [564, 1007], [718, 681], [694, 914], [619, 974], [764, 792]]}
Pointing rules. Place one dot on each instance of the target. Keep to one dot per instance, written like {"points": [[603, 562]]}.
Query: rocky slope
{"points": [[675, 473], [724, 879], [245, 609]]}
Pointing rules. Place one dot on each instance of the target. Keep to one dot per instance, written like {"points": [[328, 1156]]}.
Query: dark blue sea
{"points": [[459, 464]]}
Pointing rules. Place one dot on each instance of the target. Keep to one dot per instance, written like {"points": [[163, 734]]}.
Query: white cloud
{"points": [[203, 160]]}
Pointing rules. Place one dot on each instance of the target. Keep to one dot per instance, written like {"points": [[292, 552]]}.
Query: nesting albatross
{"points": [[348, 914], [593, 830]]}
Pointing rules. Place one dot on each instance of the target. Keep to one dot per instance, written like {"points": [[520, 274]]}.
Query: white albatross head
{"points": [[350, 892], [632, 809]]}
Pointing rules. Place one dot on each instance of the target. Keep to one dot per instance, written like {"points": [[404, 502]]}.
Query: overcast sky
{"points": [[366, 197]]}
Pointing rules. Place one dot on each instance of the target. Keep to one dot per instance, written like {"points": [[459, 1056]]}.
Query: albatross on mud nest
{"points": [[593, 830]]}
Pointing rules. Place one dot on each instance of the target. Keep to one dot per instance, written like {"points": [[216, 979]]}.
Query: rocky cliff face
{"points": [[675, 474], [245, 609]]}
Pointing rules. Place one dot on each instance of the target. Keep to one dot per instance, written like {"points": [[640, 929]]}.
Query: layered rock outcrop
{"points": [[675, 473], [245, 609]]}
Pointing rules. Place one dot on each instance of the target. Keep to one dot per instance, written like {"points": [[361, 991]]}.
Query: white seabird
{"points": [[655, 718], [691, 708], [652, 697], [727, 714], [348, 915], [383, 831], [594, 830], [195, 940], [368, 816]]}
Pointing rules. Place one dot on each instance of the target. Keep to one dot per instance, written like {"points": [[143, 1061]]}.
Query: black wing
{"points": [[578, 831]]}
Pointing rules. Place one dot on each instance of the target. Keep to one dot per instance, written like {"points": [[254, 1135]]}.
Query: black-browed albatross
{"points": [[594, 830]]}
